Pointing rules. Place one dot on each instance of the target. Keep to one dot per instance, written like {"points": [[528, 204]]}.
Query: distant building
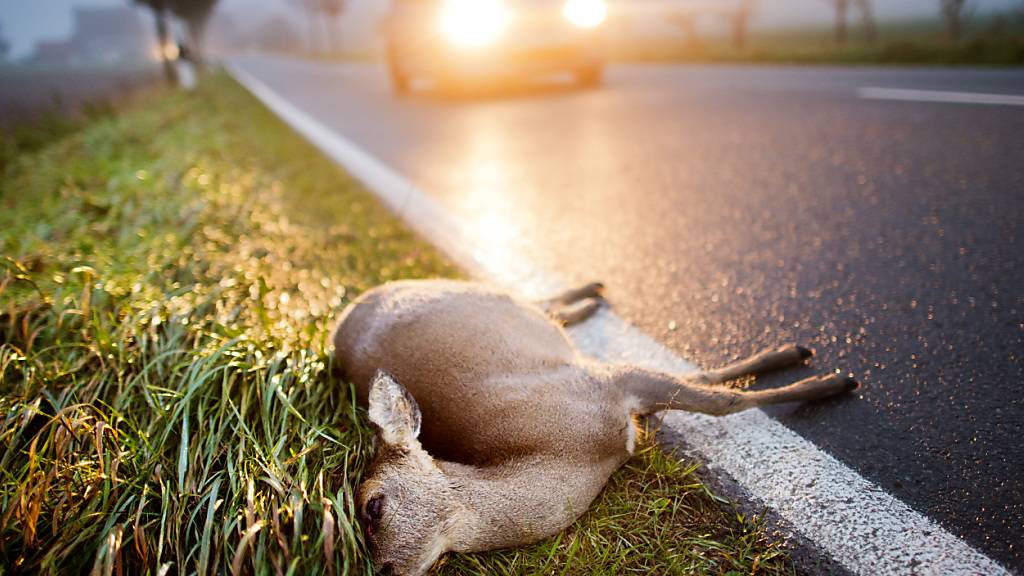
{"points": [[105, 36], [50, 51]]}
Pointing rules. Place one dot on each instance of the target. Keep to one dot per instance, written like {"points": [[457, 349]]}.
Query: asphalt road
{"points": [[733, 208]]}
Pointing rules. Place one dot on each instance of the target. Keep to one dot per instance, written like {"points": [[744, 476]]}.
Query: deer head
{"points": [[406, 503]]}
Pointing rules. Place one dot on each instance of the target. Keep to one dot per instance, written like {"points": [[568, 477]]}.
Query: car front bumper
{"points": [[532, 53]]}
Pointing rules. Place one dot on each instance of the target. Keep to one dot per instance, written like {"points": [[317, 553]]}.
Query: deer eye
{"points": [[374, 508]]}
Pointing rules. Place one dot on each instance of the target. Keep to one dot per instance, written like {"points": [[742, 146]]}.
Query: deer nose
{"points": [[386, 569]]}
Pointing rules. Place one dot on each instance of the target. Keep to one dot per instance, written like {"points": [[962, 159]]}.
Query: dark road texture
{"points": [[730, 209]]}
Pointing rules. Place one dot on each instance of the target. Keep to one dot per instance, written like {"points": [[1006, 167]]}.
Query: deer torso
{"points": [[493, 376]]}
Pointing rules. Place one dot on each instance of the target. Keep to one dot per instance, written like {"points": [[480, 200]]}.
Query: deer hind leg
{"points": [[576, 305], [760, 363], [649, 391]]}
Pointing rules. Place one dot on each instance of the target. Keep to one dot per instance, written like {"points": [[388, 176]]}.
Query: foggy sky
{"points": [[24, 22]]}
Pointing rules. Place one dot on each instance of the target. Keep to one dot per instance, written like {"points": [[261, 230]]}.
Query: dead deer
{"points": [[492, 430]]}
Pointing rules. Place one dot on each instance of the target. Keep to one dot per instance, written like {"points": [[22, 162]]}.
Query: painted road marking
{"points": [[857, 523], [873, 93]]}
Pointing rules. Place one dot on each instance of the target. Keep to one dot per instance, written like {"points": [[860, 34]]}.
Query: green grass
{"points": [[25, 137], [996, 40], [167, 404]]}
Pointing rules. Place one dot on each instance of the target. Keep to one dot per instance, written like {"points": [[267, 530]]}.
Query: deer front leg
{"points": [[761, 363], [649, 391]]}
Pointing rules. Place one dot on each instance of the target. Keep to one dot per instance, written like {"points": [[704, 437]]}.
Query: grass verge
{"points": [[996, 40], [24, 137], [166, 398]]}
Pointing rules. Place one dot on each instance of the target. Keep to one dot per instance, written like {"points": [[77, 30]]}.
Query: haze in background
{"points": [[25, 22]]}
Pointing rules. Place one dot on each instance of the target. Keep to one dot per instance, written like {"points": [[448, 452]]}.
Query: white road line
{"points": [[860, 525], [873, 93]]}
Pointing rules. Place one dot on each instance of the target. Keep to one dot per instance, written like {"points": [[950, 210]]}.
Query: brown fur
{"points": [[519, 432]]}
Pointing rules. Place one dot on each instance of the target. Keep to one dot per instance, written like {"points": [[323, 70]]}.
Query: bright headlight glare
{"points": [[585, 13], [473, 23]]}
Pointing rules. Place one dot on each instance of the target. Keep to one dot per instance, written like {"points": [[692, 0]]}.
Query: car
{"points": [[454, 42]]}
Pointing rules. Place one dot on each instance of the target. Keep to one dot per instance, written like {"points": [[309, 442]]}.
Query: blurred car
{"points": [[457, 41]]}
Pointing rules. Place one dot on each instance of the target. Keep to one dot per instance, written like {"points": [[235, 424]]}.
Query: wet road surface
{"points": [[730, 209]]}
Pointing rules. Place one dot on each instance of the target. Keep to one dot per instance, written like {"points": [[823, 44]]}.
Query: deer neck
{"points": [[508, 505]]}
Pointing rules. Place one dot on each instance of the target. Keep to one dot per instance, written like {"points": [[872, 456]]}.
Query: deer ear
{"points": [[393, 410]]}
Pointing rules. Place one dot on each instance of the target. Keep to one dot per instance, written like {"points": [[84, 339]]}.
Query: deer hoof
{"points": [[850, 382]]}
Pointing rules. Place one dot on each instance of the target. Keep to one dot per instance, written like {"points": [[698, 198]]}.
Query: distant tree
{"points": [[867, 16], [309, 10], [196, 15], [953, 14], [5, 46], [741, 22], [322, 18], [842, 8], [276, 34], [686, 21], [161, 11], [331, 11]]}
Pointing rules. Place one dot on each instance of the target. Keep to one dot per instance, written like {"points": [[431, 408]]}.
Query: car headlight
{"points": [[473, 23], [585, 13]]}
